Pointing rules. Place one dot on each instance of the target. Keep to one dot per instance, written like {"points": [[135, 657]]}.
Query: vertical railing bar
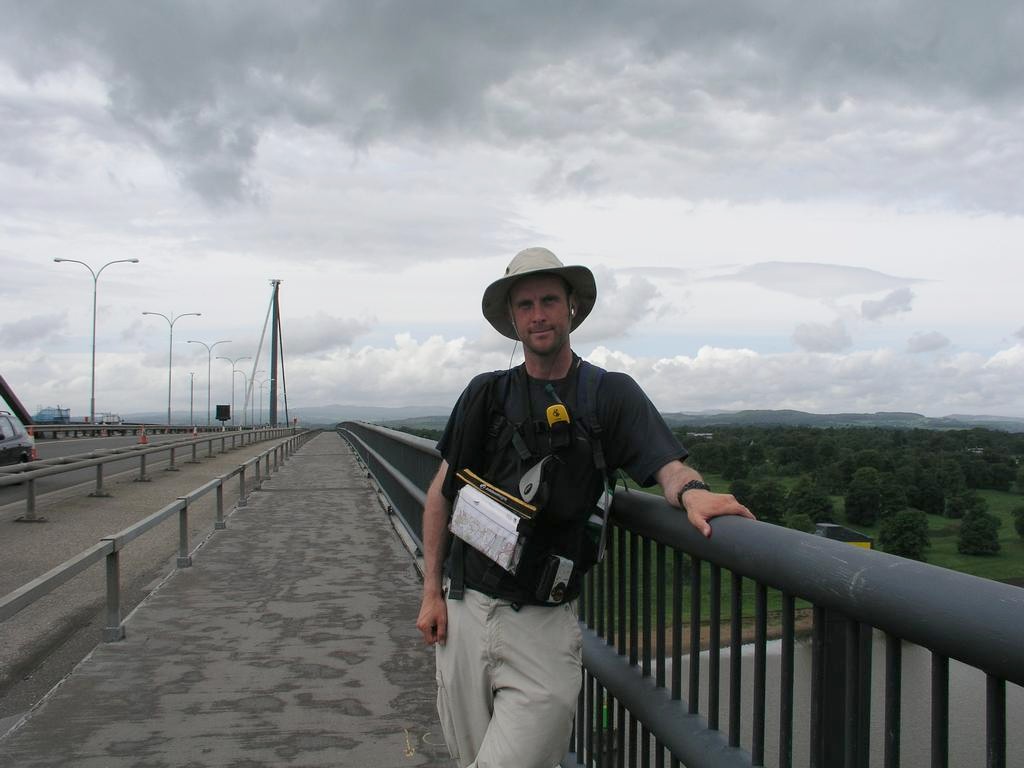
{"points": [[184, 558], [760, 675], [620, 743], [634, 602], [634, 741], [661, 598], [714, 646], [852, 679], [219, 524], [677, 624], [695, 627], [893, 690], [995, 716], [242, 500], [940, 711], [735, 658], [114, 629], [786, 683], [623, 553], [645, 607], [609, 569], [817, 725]]}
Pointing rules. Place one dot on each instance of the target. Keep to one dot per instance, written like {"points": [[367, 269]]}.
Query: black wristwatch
{"points": [[693, 485]]}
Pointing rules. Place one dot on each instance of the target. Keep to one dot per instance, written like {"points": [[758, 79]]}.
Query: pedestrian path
{"points": [[291, 641]]}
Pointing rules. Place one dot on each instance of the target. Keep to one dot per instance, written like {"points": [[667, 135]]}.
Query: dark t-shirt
{"points": [[634, 438]]}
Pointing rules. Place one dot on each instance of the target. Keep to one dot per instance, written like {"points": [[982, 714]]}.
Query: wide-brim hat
{"points": [[529, 263]]}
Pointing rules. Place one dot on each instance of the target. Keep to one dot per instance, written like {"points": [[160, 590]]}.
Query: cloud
{"points": [[895, 302], [1020, 333], [819, 337], [622, 302], [322, 333], [863, 381], [912, 101], [815, 281], [926, 342], [32, 331]]}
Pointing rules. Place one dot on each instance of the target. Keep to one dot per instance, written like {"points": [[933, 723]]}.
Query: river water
{"points": [[966, 707]]}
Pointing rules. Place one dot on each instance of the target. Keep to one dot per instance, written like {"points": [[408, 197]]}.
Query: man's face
{"points": [[540, 311]]}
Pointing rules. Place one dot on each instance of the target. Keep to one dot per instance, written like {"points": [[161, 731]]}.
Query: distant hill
{"points": [[887, 419], [435, 417]]}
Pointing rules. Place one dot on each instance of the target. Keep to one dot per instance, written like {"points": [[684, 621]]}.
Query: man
{"points": [[508, 645]]}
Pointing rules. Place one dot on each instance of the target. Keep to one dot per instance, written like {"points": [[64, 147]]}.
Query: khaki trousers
{"points": [[507, 682]]}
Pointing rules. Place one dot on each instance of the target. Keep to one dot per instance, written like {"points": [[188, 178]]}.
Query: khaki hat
{"points": [[530, 262]]}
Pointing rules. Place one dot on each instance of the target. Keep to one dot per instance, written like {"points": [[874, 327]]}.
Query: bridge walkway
{"points": [[291, 641]]}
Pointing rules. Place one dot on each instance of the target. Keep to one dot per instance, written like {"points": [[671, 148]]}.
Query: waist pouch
{"points": [[544, 555]]}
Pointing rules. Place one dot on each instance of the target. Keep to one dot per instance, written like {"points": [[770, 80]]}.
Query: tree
{"points": [[926, 494], [864, 497], [810, 499], [905, 533], [1020, 479], [743, 490], [893, 495], [979, 533], [799, 522], [768, 501], [959, 505], [1018, 520]]}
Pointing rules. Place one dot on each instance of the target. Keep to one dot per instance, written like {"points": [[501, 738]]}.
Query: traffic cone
{"points": [[143, 440], [103, 432]]}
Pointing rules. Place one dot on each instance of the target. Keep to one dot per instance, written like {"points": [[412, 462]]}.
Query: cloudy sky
{"points": [[787, 205]]}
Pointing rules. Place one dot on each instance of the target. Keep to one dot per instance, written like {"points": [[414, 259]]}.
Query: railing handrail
{"points": [[971, 619], [954, 615], [15, 474]]}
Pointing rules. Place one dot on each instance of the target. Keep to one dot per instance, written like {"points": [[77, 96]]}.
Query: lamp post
{"points": [[95, 279], [170, 348], [191, 398], [209, 358], [233, 364]]}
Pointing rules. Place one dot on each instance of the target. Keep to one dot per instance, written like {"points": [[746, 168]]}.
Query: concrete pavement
{"points": [[290, 642]]}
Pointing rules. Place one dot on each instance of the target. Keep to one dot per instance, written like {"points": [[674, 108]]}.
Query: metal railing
{"points": [[59, 431], [109, 548], [656, 606], [29, 473]]}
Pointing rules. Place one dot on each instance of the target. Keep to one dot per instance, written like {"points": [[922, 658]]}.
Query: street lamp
{"points": [[95, 280], [191, 397], [170, 349], [245, 382], [209, 357], [233, 364]]}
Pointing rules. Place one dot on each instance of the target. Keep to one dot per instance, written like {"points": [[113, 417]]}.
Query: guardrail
{"points": [[58, 431], [660, 575], [29, 473], [109, 547]]}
